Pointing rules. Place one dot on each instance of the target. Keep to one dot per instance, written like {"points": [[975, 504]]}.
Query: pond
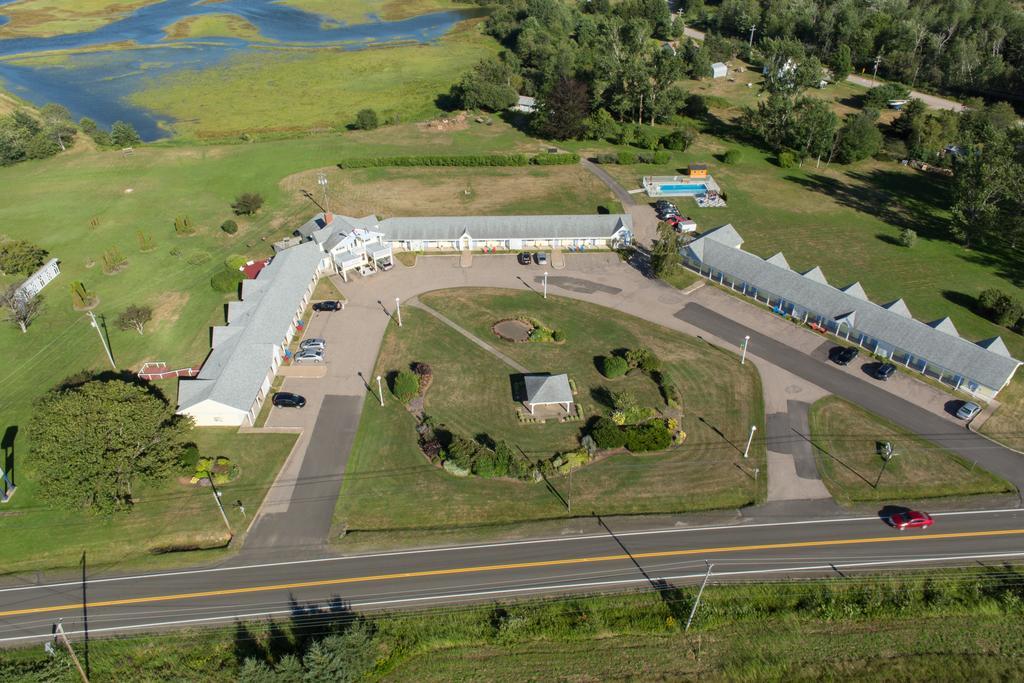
{"points": [[97, 83]]}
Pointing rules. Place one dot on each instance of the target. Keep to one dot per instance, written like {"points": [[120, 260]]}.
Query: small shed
{"points": [[698, 170], [719, 70], [546, 390], [525, 104]]}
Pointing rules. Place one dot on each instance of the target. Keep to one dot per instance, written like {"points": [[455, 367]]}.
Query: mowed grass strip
{"points": [[844, 440], [389, 487]]}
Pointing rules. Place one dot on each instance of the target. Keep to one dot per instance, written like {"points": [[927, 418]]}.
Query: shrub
{"points": [[406, 386], [732, 156], [1000, 307], [661, 157], [198, 258], [80, 296], [647, 137], [235, 261], [438, 160], [626, 158], [226, 281], [463, 452], [146, 242], [644, 359], [908, 237], [189, 459], [624, 400], [555, 159], [614, 366], [650, 436], [18, 257], [229, 226], [696, 105], [183, 226], [679, 139], [425, 373], [787, 159], [113, 260], [669, 392], [367, 119], [247, 203], [558, 336], [606, 434]]}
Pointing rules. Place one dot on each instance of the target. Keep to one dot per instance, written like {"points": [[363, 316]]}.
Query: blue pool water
{"points": [[692, 188], [96, 84]]}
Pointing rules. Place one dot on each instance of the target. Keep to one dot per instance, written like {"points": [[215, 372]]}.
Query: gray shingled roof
{"points": [[938, 345], [243, 351], [505, 227], [545, 389]]}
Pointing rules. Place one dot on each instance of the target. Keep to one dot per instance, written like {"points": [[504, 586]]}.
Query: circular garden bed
{"points": [[513, 330]]}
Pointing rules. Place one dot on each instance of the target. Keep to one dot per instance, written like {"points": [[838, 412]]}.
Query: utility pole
{"points": [[743, 356], [103, 340], [696, 603], [380, 392], [321, 180], [58, 633], [570, 488], [398, 310], [874, 72], [545, 284], [746, 451], [220, 506], [752, 29]]}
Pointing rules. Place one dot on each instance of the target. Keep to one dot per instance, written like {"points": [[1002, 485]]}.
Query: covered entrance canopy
{"points": [[545, 390]]}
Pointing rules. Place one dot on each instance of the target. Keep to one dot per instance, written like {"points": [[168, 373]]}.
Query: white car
{"points": [[313, 343], [309, 356]]}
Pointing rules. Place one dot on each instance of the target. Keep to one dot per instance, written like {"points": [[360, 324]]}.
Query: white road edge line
{"points": [[482, 546], [531, 589]]}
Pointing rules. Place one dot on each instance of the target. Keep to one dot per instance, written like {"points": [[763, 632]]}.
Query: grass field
{"points": [[357, 11], [54, 17], [471, 394], [948, 625], [213, 25], [281, 90], [845, 437]]}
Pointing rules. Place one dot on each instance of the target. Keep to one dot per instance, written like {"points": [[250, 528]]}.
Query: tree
{"points": [[94, 442], [57, 123], [665, 252], [679, 139], [21, 308], [842, 62], [491, 85], [859, 138], [247, 203], [988, 194], [880, 96], [124, 135], [367, 119], [562, 110], [601, 126], [135, 318], [18, 257]]}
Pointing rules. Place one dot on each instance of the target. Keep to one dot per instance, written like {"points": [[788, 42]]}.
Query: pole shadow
{"points": [[716, 430], [833, 457], [647, 577], [85, 620], [7, 446]]}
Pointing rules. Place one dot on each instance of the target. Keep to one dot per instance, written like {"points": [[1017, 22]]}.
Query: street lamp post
{"points": [[752, 29], [545, 284], [746, 451], [398, 310], [380, 392], [743, 356]]}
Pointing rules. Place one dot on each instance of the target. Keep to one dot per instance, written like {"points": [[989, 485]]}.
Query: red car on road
{"points": [[911, 519]]}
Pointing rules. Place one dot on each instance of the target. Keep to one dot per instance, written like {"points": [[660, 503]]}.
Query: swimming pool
{"points": [[693, 188]]}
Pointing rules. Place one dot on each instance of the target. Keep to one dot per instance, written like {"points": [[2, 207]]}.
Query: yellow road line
{"points": [[517, 565]]}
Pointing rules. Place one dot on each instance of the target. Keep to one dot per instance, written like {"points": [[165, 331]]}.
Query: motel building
{"points": [[888, 331]]}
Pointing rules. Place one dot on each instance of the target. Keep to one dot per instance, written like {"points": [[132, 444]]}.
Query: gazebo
{"points": [[546, 390]]}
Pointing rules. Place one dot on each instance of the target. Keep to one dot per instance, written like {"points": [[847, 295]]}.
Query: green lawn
{"points": [[289, 90], [845, 437], [471, 395], [940, 625], [167, 515]]}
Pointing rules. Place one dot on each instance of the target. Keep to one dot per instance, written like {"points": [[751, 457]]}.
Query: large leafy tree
{"points": [[563, 110], [491, 85], [859, 137], [94, 442], [20, 257], [988, 195]]}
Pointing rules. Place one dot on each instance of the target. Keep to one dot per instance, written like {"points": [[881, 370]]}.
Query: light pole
{"points": [[398, 310], [746, 451], [220, 506], [92, 321], [752, 29], [321, 180], [743, 356], [696, 603], [380, 392], [545, 284], [874, 72]]}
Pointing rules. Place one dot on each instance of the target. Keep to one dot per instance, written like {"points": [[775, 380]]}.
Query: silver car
{"points": [[968, 410], [313, 343], [309, 356]]}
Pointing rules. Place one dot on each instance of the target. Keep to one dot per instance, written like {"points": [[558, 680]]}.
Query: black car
{"points": [[524, 259], [327, 306], [885, 371], [284, 399], [843, 355]]}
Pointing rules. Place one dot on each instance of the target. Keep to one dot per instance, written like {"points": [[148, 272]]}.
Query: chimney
{"points": [[328, 218]]}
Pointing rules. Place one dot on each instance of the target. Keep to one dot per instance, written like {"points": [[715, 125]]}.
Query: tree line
{"points": [[26, 135]]}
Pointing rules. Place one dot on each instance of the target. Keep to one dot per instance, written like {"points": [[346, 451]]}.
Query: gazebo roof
{"points": [[547, 389]]}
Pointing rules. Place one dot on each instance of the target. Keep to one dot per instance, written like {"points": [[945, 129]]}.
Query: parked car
{"points": [[309, 356], [911, 519], [968, 410], [885, 371], [524, 258], [285, 399], [327, 306], [843, 355], [313, 343], [542, 259]]}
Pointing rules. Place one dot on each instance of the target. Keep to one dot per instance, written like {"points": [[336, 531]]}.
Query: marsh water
{"points": [[96, 83]]}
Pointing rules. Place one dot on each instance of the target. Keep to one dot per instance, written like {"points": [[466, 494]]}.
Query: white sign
{"points": [[40, 278]]}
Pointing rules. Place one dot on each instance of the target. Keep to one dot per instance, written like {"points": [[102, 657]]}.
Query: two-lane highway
{"points": [[503, 570]]}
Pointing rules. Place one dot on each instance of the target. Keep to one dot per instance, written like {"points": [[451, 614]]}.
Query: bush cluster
{"points": [[560, 159], [247, 203], [614, 366], [405, 386], [732, 156], [227, 280], [471, 456], [1001, 308], [649, 436]]}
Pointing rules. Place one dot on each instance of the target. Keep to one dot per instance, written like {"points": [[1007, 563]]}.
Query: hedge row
{"points": [[463, 160], [628, 158]]}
